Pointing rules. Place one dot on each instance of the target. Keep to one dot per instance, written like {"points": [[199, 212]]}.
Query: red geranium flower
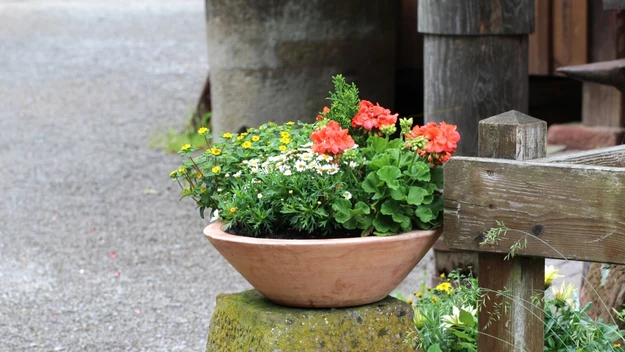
{"points": [[440, 139], [331, 139], [373, 116]]}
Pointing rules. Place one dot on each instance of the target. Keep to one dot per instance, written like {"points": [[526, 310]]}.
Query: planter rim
{"points": [[213, 230]]}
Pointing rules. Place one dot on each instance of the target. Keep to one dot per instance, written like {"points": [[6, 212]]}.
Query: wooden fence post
{"points": [[511, 135], [475, 57]]}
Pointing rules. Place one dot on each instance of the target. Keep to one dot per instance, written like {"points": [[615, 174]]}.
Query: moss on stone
{"points": [[247, 321]]}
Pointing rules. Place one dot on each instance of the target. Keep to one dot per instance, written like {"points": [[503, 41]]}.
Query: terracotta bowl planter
{"points": [[323, 273]]}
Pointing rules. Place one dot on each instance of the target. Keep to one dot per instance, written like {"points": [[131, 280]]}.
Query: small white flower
{"points": [[259, 196], [219, 190], [237, 174], [227, 175], [347, 195], [353, 164], [300, 166], [254, 162], [313, 165], [319, 170], [332, 170], [307, 145], [254, 170], [215, 216], [306, 156], [287, 172]]}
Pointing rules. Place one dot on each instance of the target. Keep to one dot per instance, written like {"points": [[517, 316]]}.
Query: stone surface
{"points": [[580, 137], [247, 321], [273, 61]]}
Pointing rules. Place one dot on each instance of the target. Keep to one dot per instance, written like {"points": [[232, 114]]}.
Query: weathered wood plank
{"points": [[612, 157], [539, 41], [476, 17], [604, 105], [613, 4], [578, 209], [570, 25], [511, 135], [482, 76]]}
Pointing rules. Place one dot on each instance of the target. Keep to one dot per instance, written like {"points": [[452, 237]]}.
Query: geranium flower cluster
{"points": [[435, 142], [373, 117]]}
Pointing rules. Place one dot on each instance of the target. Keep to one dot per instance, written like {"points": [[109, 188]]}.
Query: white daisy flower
{"points": [[254, 162], [306, 156], [347, 195], [237, 174], [259, 196], [300, 166], [313, 165], [332, 169], [287, 172], [307, 145]]}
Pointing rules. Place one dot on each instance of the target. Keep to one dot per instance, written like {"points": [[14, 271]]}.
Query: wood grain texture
{"points": [[612, 157], [577, 209], [482, 76], [540, 40], [604, 105], [511, 135], [570, 26], [476, 17]]}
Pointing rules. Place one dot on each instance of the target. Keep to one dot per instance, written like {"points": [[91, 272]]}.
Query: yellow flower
{"points": [[244, 134], [239, 138], [227, 135], [434, 299], [290, 123], [216, 169], [419, 294], [551, 274], [186, 191], [246, 144], [617, 345], [564, 294], [282, 148], [428, 288], [445, 287], [185, 147], [442, 275], [409, 301], [285, 140], [215, 151], [181, 170], [199, 176], [202, 130], [255, 138], [173, 174], [232, 210], [285, 134]]}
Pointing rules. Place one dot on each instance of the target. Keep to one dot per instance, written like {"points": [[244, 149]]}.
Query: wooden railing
{"points": [[570, 206]]}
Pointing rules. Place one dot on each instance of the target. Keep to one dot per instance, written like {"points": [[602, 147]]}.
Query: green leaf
{"points": [[378, 144], [434, 348], [390, 207], [389, 173], [362, 207], [371, 183], [403, 220], [385, 224], [378, 162], [466, 318], [419, 171], [416, 195], [437, 177], [399, 193], [424, 213], [342, 206]]}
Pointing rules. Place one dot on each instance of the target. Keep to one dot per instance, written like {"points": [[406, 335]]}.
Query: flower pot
{"points": [[323, 273]]}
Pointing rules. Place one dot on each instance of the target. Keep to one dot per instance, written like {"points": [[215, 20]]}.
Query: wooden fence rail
{"points": [[566, 207]]}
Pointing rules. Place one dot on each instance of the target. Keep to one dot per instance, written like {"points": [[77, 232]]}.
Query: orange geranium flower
{"points": [[371, 116], [331, 139]]}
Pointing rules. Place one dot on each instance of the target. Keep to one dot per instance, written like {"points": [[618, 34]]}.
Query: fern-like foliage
{"points": [[345, 102]]}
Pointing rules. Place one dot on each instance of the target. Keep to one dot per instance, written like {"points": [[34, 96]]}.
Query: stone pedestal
{"points": [[247, 321]]}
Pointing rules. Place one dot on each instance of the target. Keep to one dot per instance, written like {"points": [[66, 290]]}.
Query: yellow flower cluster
{"points": [[185, 147], [246, 144], [444, 287], [202, 130], [227, 135], [216, 169]]}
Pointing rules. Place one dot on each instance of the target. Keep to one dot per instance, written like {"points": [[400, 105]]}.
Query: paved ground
{"points": [[88, 260]]}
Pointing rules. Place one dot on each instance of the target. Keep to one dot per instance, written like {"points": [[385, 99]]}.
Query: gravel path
{"points": [[88, 260]]}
